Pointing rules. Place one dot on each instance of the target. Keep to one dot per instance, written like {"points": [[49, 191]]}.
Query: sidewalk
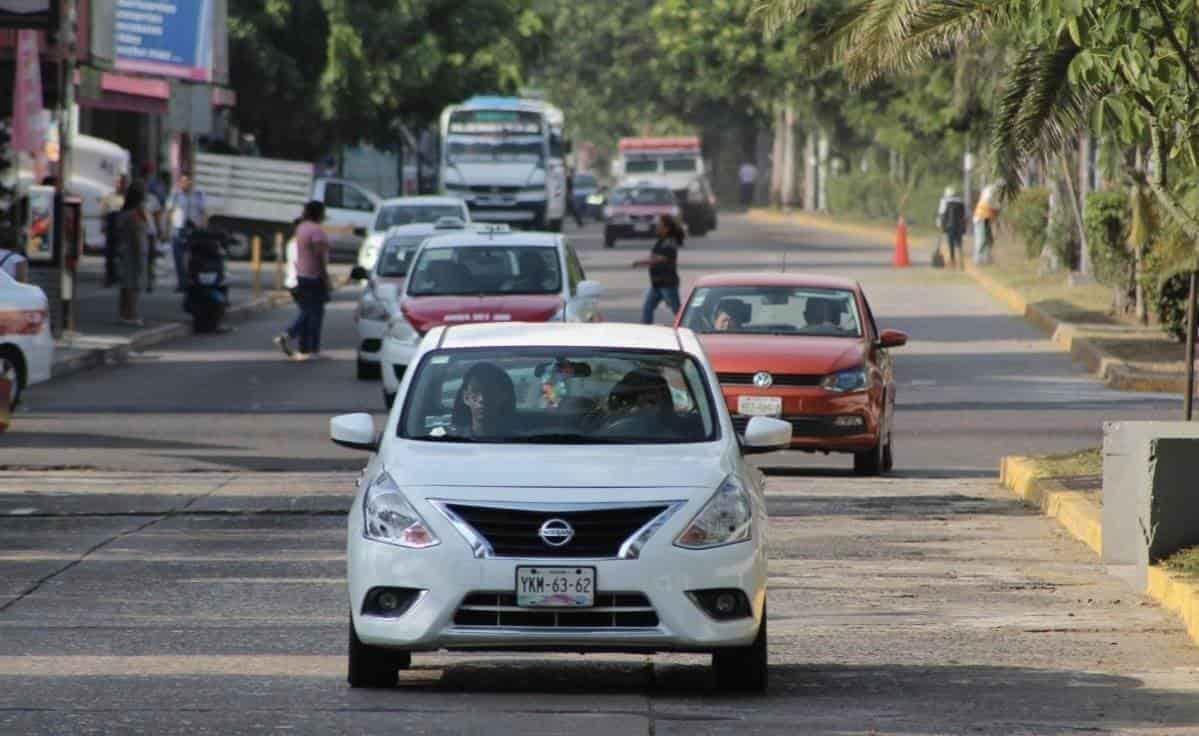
{"points": [[1075, 500], [1124, 356], [101, 339]]}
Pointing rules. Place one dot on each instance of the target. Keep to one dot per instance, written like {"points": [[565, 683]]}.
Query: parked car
{"points": [[26, 345], [380, 296], [804, 348], [558, 487], [407, 211], [487, 275], [633, 210]]}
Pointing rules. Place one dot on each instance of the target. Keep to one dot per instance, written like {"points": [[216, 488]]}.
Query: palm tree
{"points": [[1038, 108]]}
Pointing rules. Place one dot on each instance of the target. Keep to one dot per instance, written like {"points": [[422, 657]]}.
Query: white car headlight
{"points": [[388, 517], [727, 518], [401, 329], [370, 308]]}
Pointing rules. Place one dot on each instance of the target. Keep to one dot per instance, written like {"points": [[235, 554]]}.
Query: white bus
{"points": [[504, 156]]}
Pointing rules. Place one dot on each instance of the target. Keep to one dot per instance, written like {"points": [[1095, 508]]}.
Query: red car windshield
{"points": [[485, 270], [773, 310]]}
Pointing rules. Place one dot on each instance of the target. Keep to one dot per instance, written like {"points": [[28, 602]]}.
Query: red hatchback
{"points": [[804, 348]]}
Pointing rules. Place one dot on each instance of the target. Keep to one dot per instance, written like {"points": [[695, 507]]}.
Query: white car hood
{"points": [[510, 174], [547, 473]]}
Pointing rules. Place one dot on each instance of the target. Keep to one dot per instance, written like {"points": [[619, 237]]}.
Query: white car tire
{"points": [[374, 667], [743, 669], [10, 369]]}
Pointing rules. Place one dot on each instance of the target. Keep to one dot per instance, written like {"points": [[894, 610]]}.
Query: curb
{"points": [[1082, 518], [1075, 510], [119, 353], [1114, 372]]}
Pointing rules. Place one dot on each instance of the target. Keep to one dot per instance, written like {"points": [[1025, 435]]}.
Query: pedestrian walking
{"points": [[748, 175], [663, 269], [951, 219], [186, 211], [985, 214], [131, 239], [571, 209], [312, 285], [110, 206]]}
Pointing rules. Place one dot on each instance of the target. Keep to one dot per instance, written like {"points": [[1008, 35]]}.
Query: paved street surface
{"points": [[172, 551]]}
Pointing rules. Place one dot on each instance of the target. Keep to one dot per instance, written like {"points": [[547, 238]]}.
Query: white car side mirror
{"points": [[355, 431], [589, 290], [765, 434]]}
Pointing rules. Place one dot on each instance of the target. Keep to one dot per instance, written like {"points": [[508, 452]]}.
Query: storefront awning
{"points": [[129, 94]]}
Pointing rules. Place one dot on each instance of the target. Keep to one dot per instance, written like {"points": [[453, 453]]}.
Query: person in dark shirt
{"points": [[663, 269]]}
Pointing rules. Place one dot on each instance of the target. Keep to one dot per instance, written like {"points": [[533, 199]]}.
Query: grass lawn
{"points": [[1082, 463], [1185, 562], [1090, 307]]}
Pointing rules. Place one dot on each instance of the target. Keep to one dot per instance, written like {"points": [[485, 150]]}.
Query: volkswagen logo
{"points": [[556, 533], [762, 379]]}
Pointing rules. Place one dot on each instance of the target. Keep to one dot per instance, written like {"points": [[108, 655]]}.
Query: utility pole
{"points": [[66, 107], [1189, 401]]}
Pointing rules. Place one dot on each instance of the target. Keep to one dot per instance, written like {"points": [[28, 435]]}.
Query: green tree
{"points": [[277, 53], [405, 60]]}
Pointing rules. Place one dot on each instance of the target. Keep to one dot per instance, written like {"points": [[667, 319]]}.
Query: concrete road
{"points": [[975, 383], [215, 604], [172, 536]]}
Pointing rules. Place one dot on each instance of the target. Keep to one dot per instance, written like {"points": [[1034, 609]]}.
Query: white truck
{"points": [[504, 156], [248, 196]]}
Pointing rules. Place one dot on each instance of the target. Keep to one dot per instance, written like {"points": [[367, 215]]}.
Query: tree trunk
{"points": [[822, 177], [1084, 257], [788, 182], [776, 158], [811, 203]]}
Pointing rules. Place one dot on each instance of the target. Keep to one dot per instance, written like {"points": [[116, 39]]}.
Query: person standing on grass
{"points": [[985, 215], [312, 285], [663, 269], [951, 219]]}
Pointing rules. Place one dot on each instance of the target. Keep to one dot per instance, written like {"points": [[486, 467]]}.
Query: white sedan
{"points": [[26, 345], [564, 487], [486, 273], [384, 280], [407, 211]]}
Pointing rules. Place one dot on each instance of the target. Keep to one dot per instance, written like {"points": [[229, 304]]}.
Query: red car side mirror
{"points": [[893, 339]]}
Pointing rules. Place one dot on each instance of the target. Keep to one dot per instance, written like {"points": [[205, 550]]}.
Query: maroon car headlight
{"points": [[854, 379]]}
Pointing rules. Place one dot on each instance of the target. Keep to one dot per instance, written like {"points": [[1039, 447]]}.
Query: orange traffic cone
{"points": [[901, 245]]}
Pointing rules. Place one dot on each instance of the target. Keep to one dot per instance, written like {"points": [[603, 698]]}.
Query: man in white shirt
{"points": [[748, 174], [186, 212]]}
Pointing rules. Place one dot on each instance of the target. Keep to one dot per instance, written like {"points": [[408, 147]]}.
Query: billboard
{"points": [[166, 38], [41, 14]]}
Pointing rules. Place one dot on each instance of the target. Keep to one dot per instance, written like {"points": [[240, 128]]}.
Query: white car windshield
{"points": [[397, 252], [773, 310], [412, 214], [558, 396], [484, 270]]}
